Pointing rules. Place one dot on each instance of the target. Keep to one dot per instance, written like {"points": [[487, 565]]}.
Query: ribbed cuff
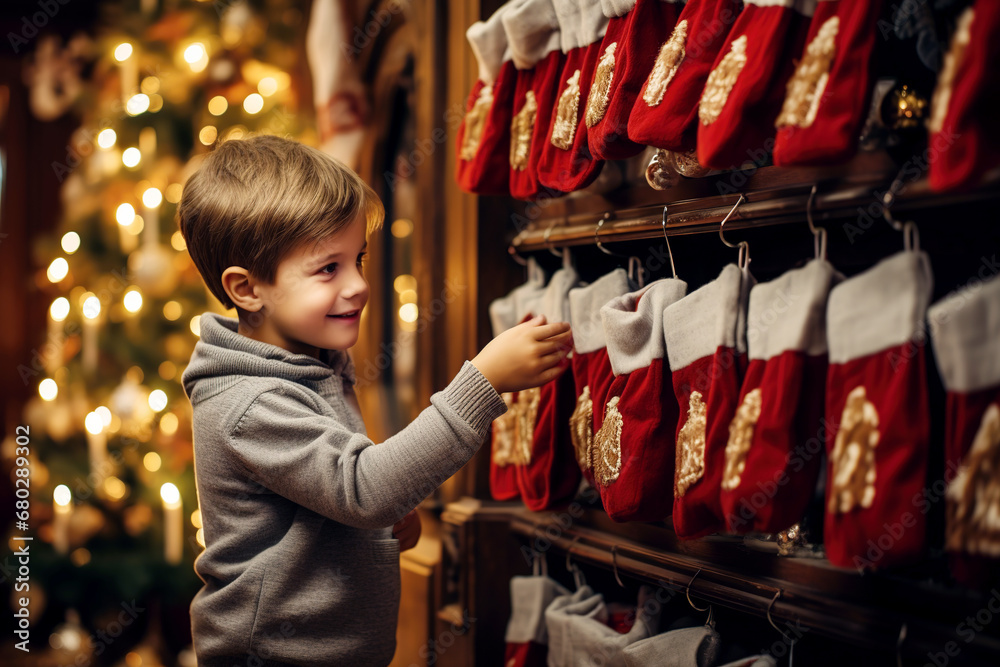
{"points": [[474, 398]]}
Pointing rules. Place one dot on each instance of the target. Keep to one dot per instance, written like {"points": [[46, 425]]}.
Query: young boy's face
{"points": [[317, 296]]}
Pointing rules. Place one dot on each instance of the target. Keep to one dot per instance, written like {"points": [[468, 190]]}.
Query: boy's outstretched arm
{"points": [[285, 443]]}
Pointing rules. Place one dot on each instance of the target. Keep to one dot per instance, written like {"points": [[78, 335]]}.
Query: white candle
{"points": [[173, 523], [91, 313], [147, 144], [97, 449], [56, 340], [62, 499], [128, 69], [151, 200]]}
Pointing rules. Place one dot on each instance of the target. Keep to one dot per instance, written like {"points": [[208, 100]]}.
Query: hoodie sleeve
{"points": [[313, 460]]}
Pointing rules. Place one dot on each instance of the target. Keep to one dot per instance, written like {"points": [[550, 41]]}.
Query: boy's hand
{"points": [[407, 530], [525, 356]]}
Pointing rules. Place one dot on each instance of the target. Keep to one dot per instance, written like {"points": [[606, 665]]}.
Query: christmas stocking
{"points": [[965, 139], [828, 95], [665, 112], [527, 634], [704, 346], [965, 330], [592, 373], [744, 91], [775, 443], [533, 34], [566, 162], [505, 312], [588, 640], [584, 602], [635, 30], [484, 133], [634, 448], [687, 647], [549, 475], [876, 399]]}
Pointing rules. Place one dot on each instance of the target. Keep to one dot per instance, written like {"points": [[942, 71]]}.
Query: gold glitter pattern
{"points": [[600, 89], [691, 445], [952, 62], [475, 121], [527, 401], [721, 81], [667, 62], [582, 428], [740, 438], [804, 90], [521, 127], [564, 124], [974, 495], [853, 457], [607, 451], [505, 432]]}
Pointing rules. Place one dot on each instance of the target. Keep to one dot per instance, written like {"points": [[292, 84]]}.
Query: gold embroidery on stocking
{"points": [[853, 457], [505, 432], [600, 89], [528, 401], [521, 128], [721, 81], [475, 121], [946, 79], [691, 445], [740, 438], [607, 451], [564, 125], [804, 90], [667, 62], [582, 428], [973, 524]]}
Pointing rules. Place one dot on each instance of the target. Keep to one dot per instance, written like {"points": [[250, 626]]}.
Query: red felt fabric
{"points": [[892, 529], [488, 172], [833, 136], [783, 462], [526, 654], [638, 36], [672, 122], [968, 144], [744, 129], [716, 378]]}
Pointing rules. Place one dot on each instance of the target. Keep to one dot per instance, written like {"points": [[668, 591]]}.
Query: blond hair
{"points": [[254, 200]]}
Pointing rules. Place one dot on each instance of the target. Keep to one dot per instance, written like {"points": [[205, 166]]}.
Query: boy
{"points": [[303, 515]]}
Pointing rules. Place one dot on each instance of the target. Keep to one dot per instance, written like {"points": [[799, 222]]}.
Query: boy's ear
{"points": [[240, 286]]}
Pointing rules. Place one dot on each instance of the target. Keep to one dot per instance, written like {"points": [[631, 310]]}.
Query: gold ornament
{"points": [[607, 450], [721, 81], [564, 125], [521, 127], [740, 438], [581, 428], [505, 432], [600, 89], [691, 445], [804, 90], [974, 495], [667, 62], [475, 121], [853, 457]]}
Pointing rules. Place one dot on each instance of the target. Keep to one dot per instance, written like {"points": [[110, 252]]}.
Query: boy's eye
{"points": [[329, 268]]}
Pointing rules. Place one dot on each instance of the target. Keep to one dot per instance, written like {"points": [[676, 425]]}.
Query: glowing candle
{"points": [[56, 337], [128, 69], [151, 200], [97, 447], [173, 523], [91, 312], [63, 508]]}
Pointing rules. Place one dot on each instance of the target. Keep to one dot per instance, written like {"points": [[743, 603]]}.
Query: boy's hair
{"points": [[254, 200]]}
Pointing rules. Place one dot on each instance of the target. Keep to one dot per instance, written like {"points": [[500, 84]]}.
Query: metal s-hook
{"points": [[899, 646], [687, 593], [819, 233], [548, 244], [578, 579], [744, 255], [670, 252], [514, 254], [911, 237], [788, 640], [614, 564], [597, 240]]}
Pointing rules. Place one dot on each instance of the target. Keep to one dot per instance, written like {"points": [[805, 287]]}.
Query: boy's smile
{"points": [[317, 296]]}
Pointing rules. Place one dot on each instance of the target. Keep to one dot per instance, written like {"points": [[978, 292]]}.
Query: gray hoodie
{"points": [[297, 504]]}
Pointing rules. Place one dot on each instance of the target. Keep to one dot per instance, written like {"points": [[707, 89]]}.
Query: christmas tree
{"points": [[113, 507]]}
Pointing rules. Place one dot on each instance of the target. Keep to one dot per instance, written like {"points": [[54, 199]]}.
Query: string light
{"points": [[152, 197], [59, 309], [157, 400], [253, 103], [218, 105], [93, 423], [58, 269], [70, 242], [104, 413], [61, 495], [268, 86], [137, 104], [132, 301], [91, 307], [131, 157], [151, 461], [48, 389], [123, 52], [107, 138], [125, 214]]}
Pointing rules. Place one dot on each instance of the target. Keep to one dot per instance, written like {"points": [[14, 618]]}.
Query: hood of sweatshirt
{"points": [[222, 356]]}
